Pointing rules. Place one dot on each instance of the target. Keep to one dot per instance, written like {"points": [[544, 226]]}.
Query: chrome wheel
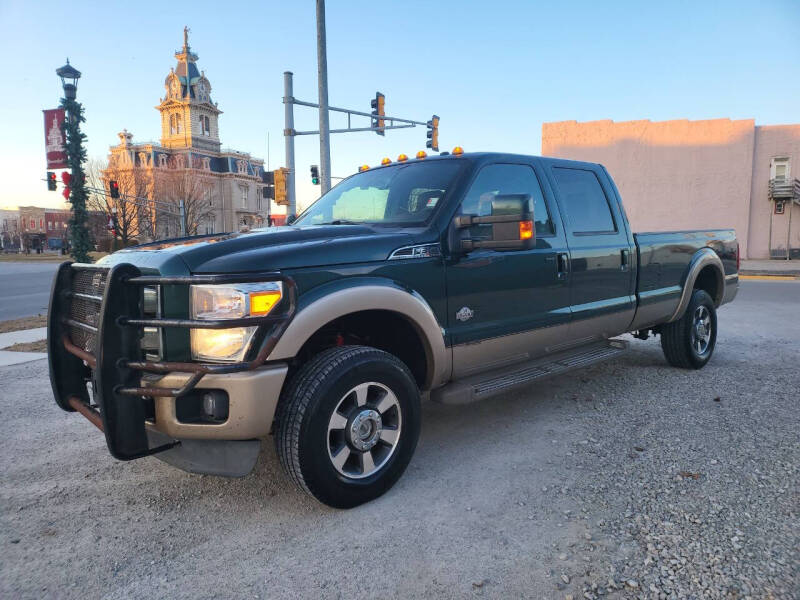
{"points": [[700, 333], [364, 430]]}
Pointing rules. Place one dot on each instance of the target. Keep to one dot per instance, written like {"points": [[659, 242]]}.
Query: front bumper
{"points": [[95, 325]]}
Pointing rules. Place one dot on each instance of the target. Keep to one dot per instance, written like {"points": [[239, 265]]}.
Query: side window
{"points": [[495, 180], [584, 201]]}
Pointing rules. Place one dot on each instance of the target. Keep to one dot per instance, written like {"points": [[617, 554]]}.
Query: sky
{"points": [[493, 72]]}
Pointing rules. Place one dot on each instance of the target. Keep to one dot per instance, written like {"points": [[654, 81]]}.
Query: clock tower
{"points": [[189, 119]]}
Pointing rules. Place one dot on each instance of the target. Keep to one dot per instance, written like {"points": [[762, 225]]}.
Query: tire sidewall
{"points": [[700, 298], [321, 477]]}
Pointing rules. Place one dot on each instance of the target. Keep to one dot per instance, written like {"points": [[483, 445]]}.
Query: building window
{"points": [[244, 195], [779, 169], [50, 226], [162, 160], [258, 199], [241, 166], [206, 163], [33, 223], [205, 125], [179, 162]]}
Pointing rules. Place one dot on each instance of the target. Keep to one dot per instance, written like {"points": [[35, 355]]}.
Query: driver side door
{"points": [[505, 306]]}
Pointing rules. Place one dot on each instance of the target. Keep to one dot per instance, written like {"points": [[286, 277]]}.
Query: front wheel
{"points": [[348, 424], [689, 342]]}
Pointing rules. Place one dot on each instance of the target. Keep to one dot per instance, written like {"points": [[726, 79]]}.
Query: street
{"points": [[26, 288], [624, 479]]}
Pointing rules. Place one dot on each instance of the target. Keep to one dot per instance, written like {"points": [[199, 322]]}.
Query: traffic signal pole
{"points": [[288, 134], [324, 126]]}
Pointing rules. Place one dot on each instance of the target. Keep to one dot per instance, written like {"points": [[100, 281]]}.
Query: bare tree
{"points": [[135, 185], [179, 182]]}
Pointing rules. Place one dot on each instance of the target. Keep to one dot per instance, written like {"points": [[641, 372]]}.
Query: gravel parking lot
{"points": [[627, 479]]}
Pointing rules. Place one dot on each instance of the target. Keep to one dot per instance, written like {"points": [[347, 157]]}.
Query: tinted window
{"points": [[494, 180], [583, 201]]}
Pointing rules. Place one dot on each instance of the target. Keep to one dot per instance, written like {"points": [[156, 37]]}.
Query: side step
{"points": [[486, 385]]}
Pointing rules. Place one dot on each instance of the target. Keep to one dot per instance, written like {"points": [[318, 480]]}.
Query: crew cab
{"points": [[454, 278]]}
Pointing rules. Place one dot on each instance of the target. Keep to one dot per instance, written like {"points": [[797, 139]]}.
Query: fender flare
{"points": [[322, 305], [701, 259]]}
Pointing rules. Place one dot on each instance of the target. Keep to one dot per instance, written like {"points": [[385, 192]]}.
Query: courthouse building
{"points": [[697, 174], [230, 183]]}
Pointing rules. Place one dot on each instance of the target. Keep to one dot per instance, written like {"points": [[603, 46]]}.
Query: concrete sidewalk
{"points": [[786, 268], [8, 357]]}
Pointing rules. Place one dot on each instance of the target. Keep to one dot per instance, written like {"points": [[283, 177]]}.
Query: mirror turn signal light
{"points": [[525, 230], [363, 168], [422, 154], [458, 150], [402, 158], [386, 161]]}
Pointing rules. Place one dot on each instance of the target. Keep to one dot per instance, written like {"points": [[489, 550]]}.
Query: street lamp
{"points": [[69, 80], [79, 238]]}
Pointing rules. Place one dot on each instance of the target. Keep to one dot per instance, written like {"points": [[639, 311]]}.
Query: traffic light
{"points": [[51, 181], [315, 174], [113, 189], [378, 111], [433, 134], [280, 186]]}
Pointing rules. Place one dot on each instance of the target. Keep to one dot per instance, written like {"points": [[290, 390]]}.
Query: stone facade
{"points": [[684, 174], [32, 226], [10, 230], [226, 187]]}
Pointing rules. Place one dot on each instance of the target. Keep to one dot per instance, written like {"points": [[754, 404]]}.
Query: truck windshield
{"points": [[403, 194]]}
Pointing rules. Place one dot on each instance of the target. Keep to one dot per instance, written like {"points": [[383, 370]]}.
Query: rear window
{"points": [[584, 201]]}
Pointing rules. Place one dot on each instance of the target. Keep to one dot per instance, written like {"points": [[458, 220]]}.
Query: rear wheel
{"points": [[689, 342], [348, 424]]}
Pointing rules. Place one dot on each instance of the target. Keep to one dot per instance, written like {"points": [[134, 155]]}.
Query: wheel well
{"points": [[709, 280], [382, 329]]}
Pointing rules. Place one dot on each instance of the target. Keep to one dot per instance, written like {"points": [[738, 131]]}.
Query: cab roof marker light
{"points": [[422, 154], [458, 150], [386, 161], [363, 168], [402, 158]]}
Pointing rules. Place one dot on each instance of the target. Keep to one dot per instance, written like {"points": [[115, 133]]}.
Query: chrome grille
{"points": [[91, 282]]}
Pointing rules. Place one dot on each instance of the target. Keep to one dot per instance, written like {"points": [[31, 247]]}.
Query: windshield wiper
{"points": [[342, 222]]}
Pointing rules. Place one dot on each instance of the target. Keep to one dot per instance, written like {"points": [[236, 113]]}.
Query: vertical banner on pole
{"points": [[54, 138]]}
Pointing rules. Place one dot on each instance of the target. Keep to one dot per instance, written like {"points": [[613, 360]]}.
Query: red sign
{"points": [[54, 138]]}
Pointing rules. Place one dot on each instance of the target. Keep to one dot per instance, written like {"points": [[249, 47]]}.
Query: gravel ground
{"points": [[623, 480]]}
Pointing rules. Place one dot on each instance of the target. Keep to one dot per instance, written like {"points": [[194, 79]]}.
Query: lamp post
{"points": [[76, 156]]}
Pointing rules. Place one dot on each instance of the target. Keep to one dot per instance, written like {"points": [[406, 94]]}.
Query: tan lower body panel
{"points": [[252, 397]]}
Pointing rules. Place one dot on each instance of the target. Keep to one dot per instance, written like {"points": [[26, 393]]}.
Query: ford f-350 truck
{"points": [[455, 278]]}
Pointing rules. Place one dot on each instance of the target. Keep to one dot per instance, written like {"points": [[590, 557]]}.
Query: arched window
{"points": [[177, 123], [172, 124]]}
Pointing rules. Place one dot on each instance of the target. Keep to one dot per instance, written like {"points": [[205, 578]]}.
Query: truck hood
{"points": [[268, 249]]}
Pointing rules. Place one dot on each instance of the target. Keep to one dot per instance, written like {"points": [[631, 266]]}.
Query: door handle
{"points": [[562, 266], [624, 259]]}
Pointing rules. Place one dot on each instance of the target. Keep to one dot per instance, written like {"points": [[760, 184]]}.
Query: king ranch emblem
{"points": [[465, 314]]}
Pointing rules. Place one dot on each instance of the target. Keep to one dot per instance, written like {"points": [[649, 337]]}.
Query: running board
{"points": [[486, 385]]}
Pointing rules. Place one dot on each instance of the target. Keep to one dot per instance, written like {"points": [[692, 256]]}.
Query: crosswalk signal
{"points": [[51, 181], [279, 176], [315, 174], [433, 134], [113, 189], [378, 112]]}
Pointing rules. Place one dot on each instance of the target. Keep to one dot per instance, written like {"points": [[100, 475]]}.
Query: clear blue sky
{"points": [[493, 71]]}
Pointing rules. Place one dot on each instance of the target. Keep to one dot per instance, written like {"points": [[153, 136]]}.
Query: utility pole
{"points": [[324, 126], [288, 134]]}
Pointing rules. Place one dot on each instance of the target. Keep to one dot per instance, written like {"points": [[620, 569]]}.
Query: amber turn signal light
{"points": [[525, 230]]}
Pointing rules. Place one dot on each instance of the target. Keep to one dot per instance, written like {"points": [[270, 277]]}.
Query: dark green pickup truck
{"points": [[453, 278]]}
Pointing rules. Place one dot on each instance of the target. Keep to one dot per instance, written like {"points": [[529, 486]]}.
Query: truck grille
{"points": [[84, 310]]}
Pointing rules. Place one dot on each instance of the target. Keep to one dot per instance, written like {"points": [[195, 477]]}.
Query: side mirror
{"points": [[511, 224]]}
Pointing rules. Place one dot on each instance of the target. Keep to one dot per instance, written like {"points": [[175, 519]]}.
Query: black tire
{"points": [[304, 439], [683, 345]]}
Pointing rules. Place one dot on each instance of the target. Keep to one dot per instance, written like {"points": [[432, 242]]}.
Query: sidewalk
{"points": [[785, 268], [9, 357]]}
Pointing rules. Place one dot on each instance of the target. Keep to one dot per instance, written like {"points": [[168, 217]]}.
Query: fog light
{"points": [[215, 405]]}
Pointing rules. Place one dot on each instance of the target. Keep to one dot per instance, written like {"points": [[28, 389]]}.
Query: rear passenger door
{"points": [[602, 260]]}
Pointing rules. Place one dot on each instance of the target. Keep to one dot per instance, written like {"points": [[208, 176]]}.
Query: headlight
{"points": [[229, 301]]}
